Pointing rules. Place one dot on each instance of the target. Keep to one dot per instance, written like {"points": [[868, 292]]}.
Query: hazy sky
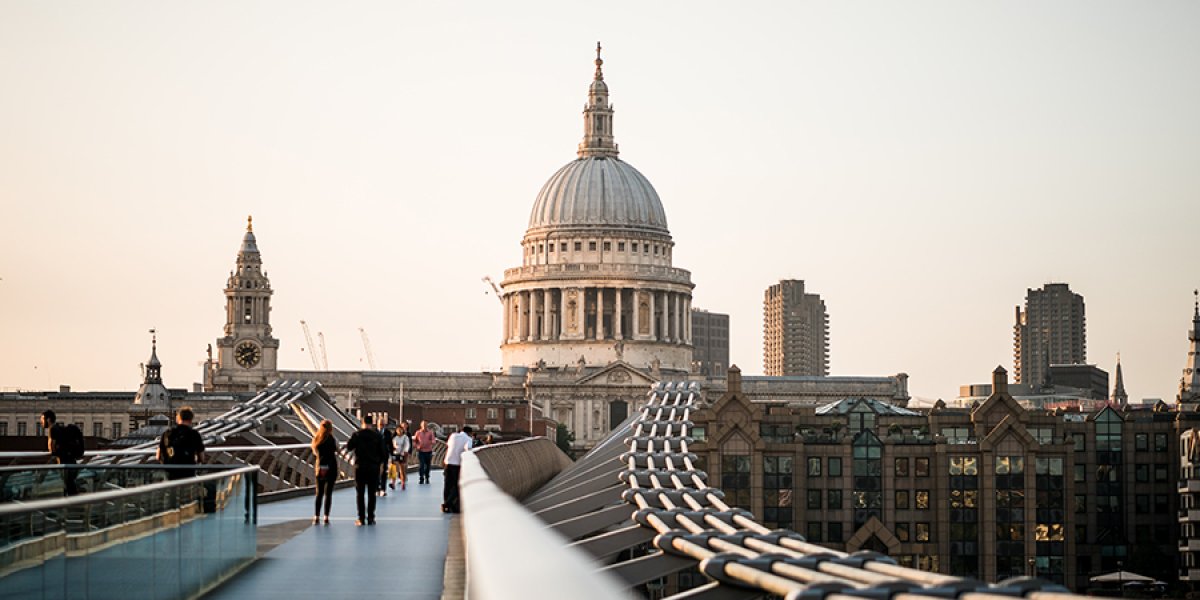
{"points": [[919, 164]]}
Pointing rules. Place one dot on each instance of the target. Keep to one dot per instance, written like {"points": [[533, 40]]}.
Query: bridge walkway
{"points": [[402, 556]]}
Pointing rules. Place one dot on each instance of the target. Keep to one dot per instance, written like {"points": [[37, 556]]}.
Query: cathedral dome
{"points": [[598, 191]]}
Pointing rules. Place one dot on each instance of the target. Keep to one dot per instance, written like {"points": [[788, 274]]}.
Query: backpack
{"points": [[71, 442], [178, 451]]}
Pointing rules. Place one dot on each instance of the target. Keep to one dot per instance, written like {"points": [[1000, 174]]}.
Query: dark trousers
{"points": [[324, 493], [69, 475], [450, 489], [426, 459], [366, 479]]}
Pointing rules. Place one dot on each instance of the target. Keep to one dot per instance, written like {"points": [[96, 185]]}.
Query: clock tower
{"points": [[247, 354]]}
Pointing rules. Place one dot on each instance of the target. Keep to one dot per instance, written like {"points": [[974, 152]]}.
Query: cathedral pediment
{"points": [[617, 373]]}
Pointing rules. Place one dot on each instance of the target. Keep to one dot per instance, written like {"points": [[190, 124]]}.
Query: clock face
{"points": [[247, 354]]}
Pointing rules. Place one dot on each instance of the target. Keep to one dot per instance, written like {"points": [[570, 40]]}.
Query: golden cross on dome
{"points": [[250, 223]]}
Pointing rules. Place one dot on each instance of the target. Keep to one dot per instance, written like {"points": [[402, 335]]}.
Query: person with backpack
{"points": [[65, 444], [369, 455], [181, 445]]}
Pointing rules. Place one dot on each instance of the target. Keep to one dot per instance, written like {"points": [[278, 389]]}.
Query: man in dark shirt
{"points": [[181, 445], [369, 454], [56, 434]]}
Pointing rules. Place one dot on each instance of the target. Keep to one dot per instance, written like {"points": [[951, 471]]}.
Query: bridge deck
{"points": [[402, 556]]}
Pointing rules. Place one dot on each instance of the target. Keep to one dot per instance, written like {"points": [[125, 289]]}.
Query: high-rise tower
{"points": [[1051, 330], [247, 355], [795, 331]]}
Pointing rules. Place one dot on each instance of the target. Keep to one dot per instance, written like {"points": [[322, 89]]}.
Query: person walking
{"points": [[65, 444], [456, 444], [401, 447], [325, 447], [388, 433], [423, 440], [369, 454], [181, 445]]}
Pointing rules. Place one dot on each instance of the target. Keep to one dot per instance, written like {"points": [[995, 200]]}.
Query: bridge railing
{"points": [[537, 566], [170, 539]]}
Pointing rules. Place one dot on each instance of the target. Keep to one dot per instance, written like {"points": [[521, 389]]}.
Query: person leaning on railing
{"points": [[181, 445]]}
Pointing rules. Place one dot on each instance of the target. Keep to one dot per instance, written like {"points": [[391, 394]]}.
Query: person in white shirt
{"points": [[401, 447], [456, 444]]}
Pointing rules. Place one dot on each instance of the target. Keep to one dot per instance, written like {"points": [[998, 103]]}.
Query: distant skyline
{"points": [[918, 165]]}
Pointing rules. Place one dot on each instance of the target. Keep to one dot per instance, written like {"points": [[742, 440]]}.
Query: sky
{"points": [[919, 164]]}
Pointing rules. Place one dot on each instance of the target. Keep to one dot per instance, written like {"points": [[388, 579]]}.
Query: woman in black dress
{"points": [[325, 447]]}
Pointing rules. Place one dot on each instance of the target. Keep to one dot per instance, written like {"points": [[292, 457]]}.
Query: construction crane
{"points": [[324, 356], [312, 349], [488, 280], [367, 347]]}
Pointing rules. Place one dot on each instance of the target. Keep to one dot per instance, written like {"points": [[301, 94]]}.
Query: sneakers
{"points": [[358, 522], [318, 520], [326, 519], [392, 485], [371, 522]]}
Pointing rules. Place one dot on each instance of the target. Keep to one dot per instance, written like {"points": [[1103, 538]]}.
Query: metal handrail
{"points": [[145, 451], [36, 505], [495, 571]]}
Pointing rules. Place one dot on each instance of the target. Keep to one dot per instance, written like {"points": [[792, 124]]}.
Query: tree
{"points": [[563, 438]]}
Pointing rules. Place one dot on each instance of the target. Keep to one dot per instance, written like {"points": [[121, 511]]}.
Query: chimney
{"points": [[64, 389], [734, 380], [1000, 381]]}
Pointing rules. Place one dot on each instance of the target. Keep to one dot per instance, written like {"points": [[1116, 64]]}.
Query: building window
{"points": [[814, 531], [1160, 442], [645, 248], [1080, 504], [635, 246], [735, 479], [698, 433], [607, 246], [922, 497], [21, 427], [562, 247], [116, 430], [550, 248], [1080, 473], [1161, 507], [1141, 442], [492, 413], [776, 433], [540, 248], [97, 429], [921, 467], [901, 467], [1080, 442], [591, 246], [1141, 504], [835, 466], [902, 532], [3, 427], [901, 499], [656, 249], [1160, 473], [922, 532], [470, 414], [833, 499], [620, 246], [777, 491], [578, 246], [814, 467], [510, 413], [958, 435], [814, 500], [1141, 473], [835, 533]]}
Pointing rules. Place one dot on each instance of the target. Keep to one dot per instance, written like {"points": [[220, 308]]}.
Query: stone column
{"points": [[599, 313], [533, 311], [547, 325], [687, 319], [678, 317], [523, 315], [653, 317], [617, 316], [634, 295], [505, 327]]}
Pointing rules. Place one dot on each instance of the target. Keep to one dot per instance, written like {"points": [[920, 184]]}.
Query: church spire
{"points": [[597, 118], [154, 367], [1119, 397], [1189, 384]]}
